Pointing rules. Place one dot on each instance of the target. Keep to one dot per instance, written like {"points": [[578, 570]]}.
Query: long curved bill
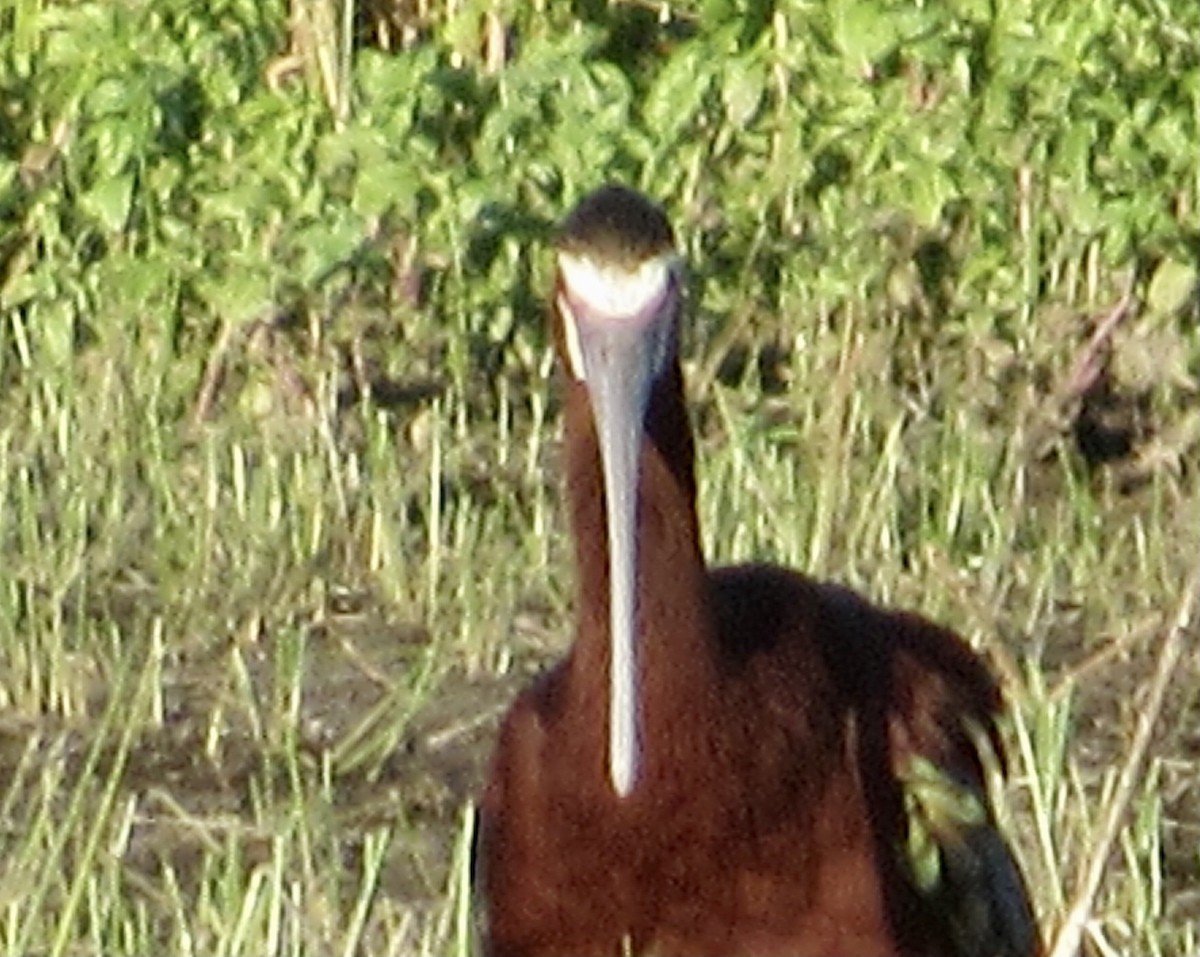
{"points": [[617, 324]]}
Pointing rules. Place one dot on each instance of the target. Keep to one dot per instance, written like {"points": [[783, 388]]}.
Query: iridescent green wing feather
{"points": [[960, 865]]}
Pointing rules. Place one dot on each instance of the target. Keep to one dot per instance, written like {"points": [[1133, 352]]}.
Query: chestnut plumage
{"points": [[729, 760]]}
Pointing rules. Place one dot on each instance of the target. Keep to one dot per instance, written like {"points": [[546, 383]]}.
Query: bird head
{"points": [[617, 300]]}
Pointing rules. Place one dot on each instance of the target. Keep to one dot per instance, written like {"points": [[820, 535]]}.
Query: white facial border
{"points": [[609, 293]]}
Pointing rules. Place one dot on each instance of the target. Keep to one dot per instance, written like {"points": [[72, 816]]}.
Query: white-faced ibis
{"points": [[729, 760]]}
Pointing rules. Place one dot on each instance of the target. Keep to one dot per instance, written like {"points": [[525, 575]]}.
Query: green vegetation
{"points": [[280, 519]]}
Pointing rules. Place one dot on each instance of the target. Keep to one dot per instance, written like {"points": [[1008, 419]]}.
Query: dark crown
{"points": [[617, 225]]}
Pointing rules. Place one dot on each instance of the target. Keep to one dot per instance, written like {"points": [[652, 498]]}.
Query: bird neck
{"points": [[675, 631]]}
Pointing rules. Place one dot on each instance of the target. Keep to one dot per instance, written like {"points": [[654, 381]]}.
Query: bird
{"points": [[728, 760]]}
